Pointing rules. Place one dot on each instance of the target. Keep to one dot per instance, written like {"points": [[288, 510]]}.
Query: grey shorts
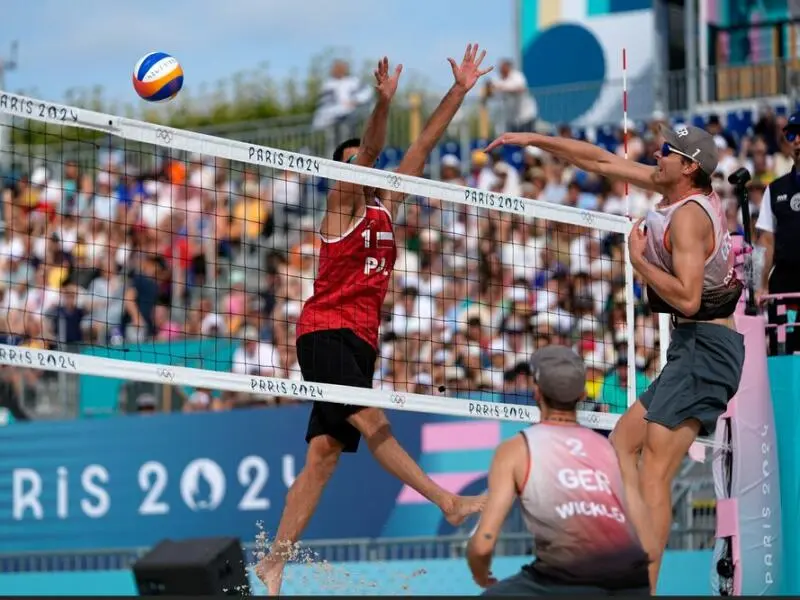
{"points": [[525, 584], [704, 366]]}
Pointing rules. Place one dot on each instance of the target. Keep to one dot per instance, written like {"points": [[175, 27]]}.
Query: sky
{"points": [[67, 44]]}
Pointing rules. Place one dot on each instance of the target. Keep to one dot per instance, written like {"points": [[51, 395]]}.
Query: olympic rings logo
{"points": [[397, 399], [393, 182], [167, 374], [164, 135]]}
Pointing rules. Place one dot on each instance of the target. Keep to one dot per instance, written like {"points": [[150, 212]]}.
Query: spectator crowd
{"points": [[120, 256]]}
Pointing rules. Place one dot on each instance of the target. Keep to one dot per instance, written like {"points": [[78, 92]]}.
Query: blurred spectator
{"points": [[138, 321], [68, 317], [341, 95], [715, 128], [518, 106], [614, 391], [256, 357]]}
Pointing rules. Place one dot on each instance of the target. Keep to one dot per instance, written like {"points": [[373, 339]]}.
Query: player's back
{"points": [[353, 277], [573, 505]]}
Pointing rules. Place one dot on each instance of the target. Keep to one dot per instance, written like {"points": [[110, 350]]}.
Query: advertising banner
{"points": [[125, 482]]}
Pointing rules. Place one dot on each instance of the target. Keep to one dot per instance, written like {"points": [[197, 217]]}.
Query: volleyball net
{"points": [[139, 252]]}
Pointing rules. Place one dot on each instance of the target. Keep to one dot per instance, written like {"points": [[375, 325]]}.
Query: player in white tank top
{"points": [[568, 482], [682, 252]]}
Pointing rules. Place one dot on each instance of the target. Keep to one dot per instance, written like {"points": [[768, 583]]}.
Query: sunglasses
{"points": [[791, 134], [353, 158], [666, 150]]}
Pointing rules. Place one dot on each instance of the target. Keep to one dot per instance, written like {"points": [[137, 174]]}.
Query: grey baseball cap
{"points": [[559, 373], [695, 143]]}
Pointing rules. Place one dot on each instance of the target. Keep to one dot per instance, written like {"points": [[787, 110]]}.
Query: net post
{"points": [[630, 318]]}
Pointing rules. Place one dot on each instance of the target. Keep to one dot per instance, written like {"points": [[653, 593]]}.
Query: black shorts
{"points": [[340, 357], [703, 370], [526, 583]]}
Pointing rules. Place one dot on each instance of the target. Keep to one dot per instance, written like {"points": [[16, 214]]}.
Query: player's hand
{"points": [[386, 85], [469, 71], [510, 139], [637, 242]]}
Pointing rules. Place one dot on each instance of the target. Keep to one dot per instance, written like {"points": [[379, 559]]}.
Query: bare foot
{"points": [[462, 507], [270, 572]]}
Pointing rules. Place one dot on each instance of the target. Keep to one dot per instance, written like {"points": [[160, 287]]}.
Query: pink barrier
{"points": [[746, 479]]}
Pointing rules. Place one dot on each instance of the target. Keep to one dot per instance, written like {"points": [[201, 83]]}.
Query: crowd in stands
{"points": [[117, 257]]}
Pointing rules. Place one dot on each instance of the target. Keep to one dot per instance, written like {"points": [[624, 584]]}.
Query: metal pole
{"points": [[661, 56], [6, 65], [690, 33], [705, 72], [518, 33]]}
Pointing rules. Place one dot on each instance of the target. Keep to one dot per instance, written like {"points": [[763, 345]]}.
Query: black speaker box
{"points": [[198, 567]]}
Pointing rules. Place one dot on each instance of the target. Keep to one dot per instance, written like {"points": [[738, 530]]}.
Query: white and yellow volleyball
{"points": [[157, 77]]}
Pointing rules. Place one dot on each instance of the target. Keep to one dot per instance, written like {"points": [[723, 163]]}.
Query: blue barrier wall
{"points": [[683, 574], [99, 396]]}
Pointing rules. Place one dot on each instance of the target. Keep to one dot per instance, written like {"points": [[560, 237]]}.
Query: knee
{"points": [[623, 445], [372, 424], [322, 459]]}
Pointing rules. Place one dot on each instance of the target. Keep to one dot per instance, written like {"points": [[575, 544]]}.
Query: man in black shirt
{"points": [[778, 226]]}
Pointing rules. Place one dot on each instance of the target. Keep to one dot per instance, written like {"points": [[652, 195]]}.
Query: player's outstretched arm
{"points": [[374, 137], [505, 476], [466, 75], [586, 157]]}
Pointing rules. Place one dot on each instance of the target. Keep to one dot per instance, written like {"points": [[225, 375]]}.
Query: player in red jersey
{"points": [[337, 332]]}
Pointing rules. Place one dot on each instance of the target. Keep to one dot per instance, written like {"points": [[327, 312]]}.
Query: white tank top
{"points": [[572, 504], [721, 289]]}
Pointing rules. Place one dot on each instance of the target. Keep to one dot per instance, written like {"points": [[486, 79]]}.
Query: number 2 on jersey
{"points": [[575, 447]]}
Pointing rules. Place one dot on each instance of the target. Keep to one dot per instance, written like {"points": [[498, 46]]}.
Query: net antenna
{"points": [[630, 313]]}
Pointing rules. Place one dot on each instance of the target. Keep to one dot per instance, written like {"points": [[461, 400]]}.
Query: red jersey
{"points": [[353, 278]]}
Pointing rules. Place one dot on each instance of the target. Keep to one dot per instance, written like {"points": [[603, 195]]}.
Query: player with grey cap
{"points": [[571, 494], [683, 252]]}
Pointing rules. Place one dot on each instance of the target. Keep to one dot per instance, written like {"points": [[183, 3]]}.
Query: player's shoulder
{"points": [[513, 446], [789, 177], [690, 215]]}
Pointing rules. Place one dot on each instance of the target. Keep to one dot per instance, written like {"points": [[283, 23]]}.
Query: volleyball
{"points": [[157, 77]]}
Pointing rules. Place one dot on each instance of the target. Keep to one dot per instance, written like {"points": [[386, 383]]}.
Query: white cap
{"points": [[250, 334], [423, 379], [534, 151], [451, 160], [213, 321], [200, 398], [39, 176]]}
